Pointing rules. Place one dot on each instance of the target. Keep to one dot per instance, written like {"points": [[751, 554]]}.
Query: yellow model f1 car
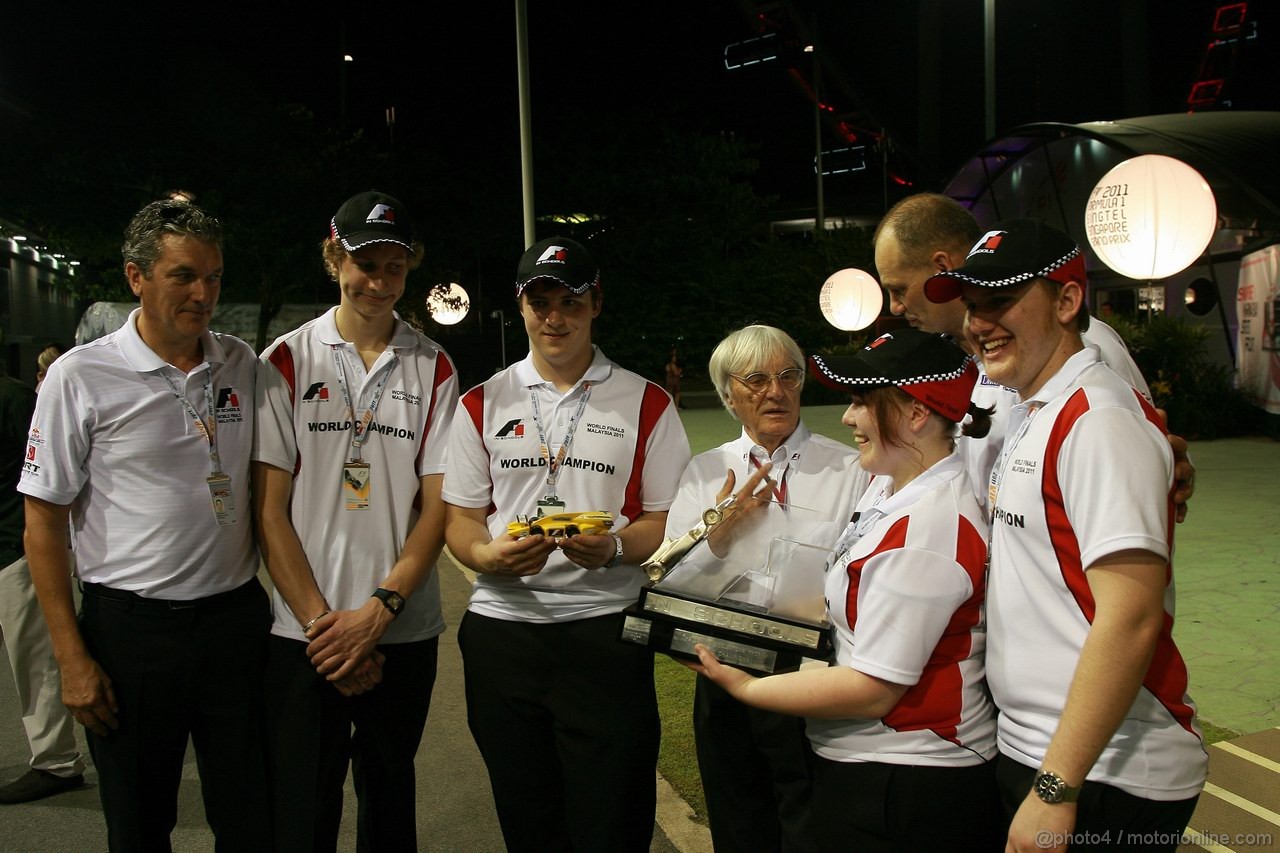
{"points": [[561, 524]]}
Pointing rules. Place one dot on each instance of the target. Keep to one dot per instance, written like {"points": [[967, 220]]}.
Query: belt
{"points": [[210, 602]]}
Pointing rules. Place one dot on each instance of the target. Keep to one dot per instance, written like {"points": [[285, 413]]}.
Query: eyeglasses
{"points": [[790, 379]]}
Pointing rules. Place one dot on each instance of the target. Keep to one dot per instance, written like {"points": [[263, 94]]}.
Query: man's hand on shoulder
{"points": [[1184, 477], [1184, 473]]}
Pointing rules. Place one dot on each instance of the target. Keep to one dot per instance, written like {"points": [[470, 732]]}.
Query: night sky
{"points": [[449, 70]]}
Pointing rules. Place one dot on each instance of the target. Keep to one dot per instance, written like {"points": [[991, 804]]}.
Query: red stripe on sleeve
{"points": [[444, 369], [282, 359], [1062, 536], [936, 701], [1166, 677], [473, 402], [894, 537], [652, 407]]}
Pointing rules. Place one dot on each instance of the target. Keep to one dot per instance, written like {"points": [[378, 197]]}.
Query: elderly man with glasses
{"points": [[754, 764]]}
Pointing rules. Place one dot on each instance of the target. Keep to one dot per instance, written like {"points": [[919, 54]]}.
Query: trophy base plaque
{"points": [[741, 635]]}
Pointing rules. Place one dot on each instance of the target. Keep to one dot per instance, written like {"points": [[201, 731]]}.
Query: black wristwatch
{"points": [[393, 601], [1053, 789]]}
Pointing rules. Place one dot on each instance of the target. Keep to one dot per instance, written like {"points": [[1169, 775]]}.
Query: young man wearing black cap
{"points": [[1096, 732], [354, 410], [564, 714]]}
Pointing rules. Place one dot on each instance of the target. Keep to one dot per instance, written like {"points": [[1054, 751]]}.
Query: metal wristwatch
{"points": [[1053, 789], [617, 554], [393, 601]]}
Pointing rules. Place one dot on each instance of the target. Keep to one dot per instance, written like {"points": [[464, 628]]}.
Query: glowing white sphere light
{"points": [[448, 308], [1150, 217], [851, 299]]}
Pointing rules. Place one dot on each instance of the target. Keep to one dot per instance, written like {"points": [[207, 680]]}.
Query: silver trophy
{"points": [[753, 594], [672, 551]]}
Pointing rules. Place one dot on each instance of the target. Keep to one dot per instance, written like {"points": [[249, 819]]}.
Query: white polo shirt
{"points": [[905, 601], [811, 471], [980, 454], [110, 438], [1087, 473], [304, 426], [626, 458]]}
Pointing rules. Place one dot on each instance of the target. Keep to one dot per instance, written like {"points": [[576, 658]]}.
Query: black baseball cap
{"points": [[558, 260], [931, 368], [372, 217], [1013, 252]]}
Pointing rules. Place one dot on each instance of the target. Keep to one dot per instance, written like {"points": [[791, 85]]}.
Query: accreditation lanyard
{"points": [[360, 428], [221, 495], [1011, 442], [858, 525], [780, 478], [207, 429], [553, 465]]}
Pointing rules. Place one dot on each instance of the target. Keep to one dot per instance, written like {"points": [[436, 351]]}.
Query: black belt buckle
{"points": [[182, 605]]}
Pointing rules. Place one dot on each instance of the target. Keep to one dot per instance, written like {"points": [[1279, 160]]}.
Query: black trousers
{"points": [[1108, 817], [756, 773], [179, 670], [314, 732], [877, 808], [566, 718]]}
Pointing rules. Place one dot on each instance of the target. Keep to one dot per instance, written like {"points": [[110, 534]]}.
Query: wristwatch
{"points": [[1053, 789], [617, 554], [393, 601]]}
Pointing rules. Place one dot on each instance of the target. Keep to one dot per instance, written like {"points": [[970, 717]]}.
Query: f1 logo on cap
{"points": [[381, 213], [553, 254], [989, 242]]}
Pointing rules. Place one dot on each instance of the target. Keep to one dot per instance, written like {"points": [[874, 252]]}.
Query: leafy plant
{"points": [[1198, 394]]}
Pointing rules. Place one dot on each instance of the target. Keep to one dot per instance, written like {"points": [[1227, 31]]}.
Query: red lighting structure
{"points": [[1233, 34]]}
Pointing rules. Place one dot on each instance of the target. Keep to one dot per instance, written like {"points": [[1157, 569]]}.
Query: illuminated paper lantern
{"points": [[448, 306], [851, 300], [1150, 217]]}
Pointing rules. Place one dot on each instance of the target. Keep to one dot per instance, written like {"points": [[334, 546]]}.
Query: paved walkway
{"points": [[1228, 570]]}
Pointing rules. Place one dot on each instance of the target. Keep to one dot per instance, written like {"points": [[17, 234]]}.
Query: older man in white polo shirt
{"points": [[140, 443]]}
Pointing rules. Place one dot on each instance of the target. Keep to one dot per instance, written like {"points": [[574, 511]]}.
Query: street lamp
{"points": [[502, 332], [448, 304]]}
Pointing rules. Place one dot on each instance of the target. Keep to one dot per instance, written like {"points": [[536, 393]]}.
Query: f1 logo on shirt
{"points": [[513, 429], [228, 407], [317, 393]]}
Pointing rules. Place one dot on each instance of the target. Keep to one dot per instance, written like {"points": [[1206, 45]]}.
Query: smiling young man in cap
{"points": [[354, 410], [1096, 732], [564, 713], [140, 446]]}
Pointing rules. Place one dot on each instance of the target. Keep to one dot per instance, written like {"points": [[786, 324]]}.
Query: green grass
{"points": [[677, 758], [1213, 734]]}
